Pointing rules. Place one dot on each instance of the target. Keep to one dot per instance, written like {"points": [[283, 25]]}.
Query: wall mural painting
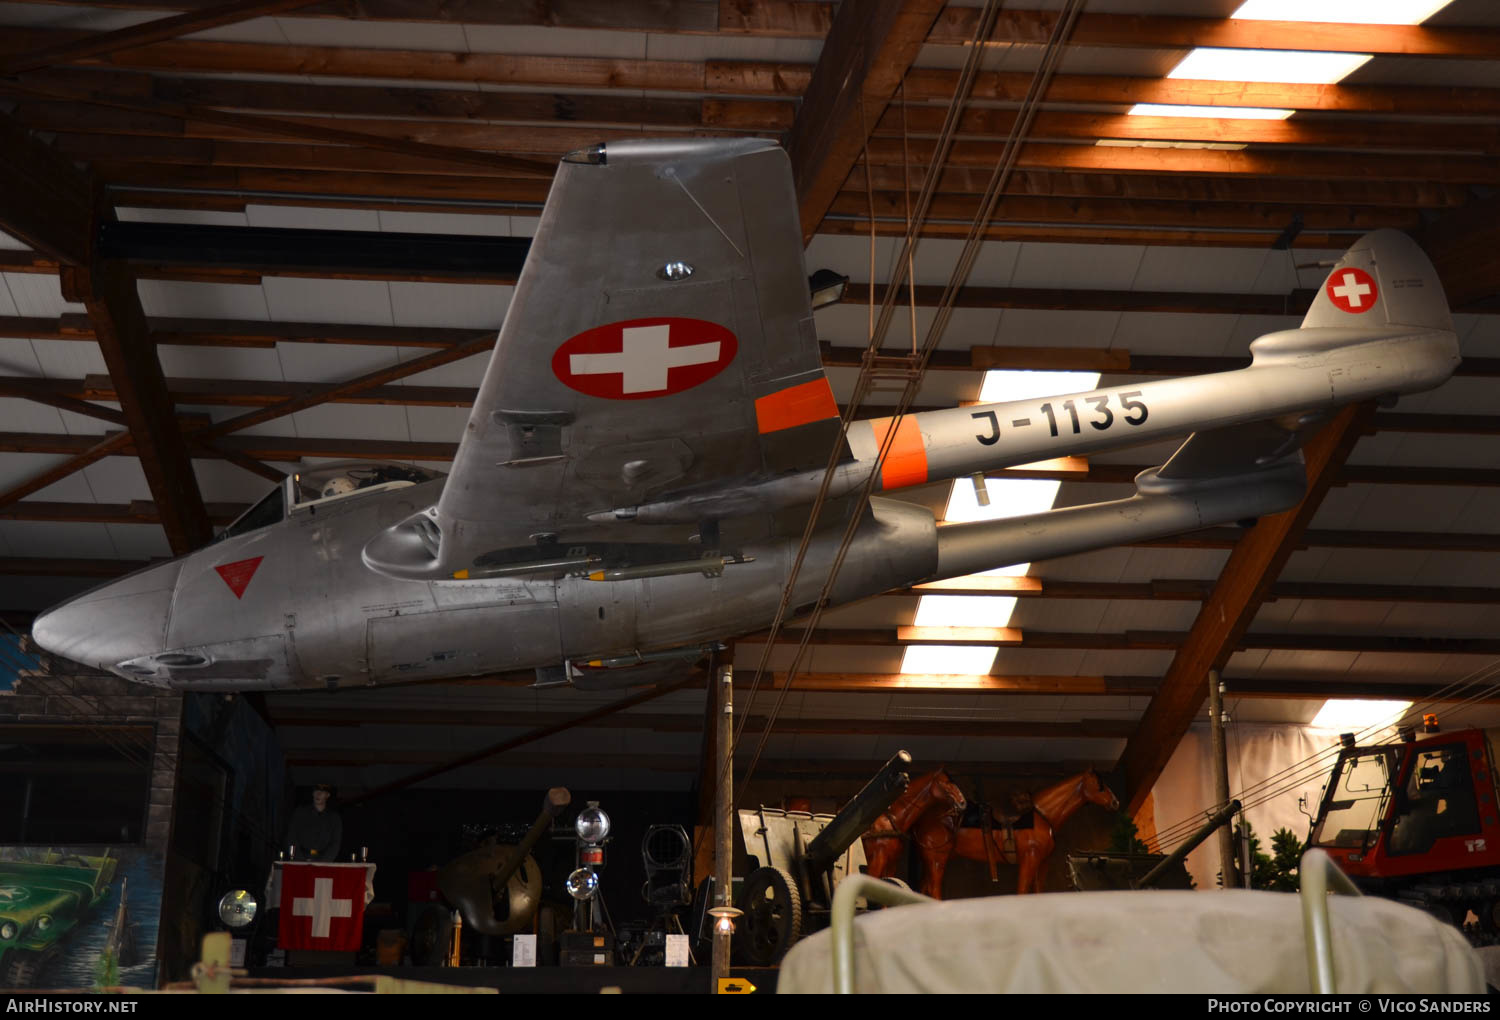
{"points": [[78, 916]]}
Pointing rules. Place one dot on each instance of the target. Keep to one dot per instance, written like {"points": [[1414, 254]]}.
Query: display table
{"points": [[322, 904]]}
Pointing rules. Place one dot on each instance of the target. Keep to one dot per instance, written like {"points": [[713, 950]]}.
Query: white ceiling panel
{"points": [[183, 300], [1236, 270], [16, 468], [477, 223], [661, 46], [139, 541], [825, 705], [1078, 616], [1425, 619], [88, 541], [328, 363], [1126, 615], [68, 359], [117, 480], [1150, 564], [1246, 663], [1459, 568], [1026, 327], [467, 372], [379, 35], [1176, 333], [1393, 666], [437, 424], [1078, 266], [1011, 661], [208, 217], [450, 304], [353, 421], [1128, 662], [75, 16], [282, 426], [181, 362], [1312, 665], [256, 30], [876, 612], [38, 294], [28, 416], [1361, 566], [365, 302], [1101, 565], [1411, 508], [540, 41]]}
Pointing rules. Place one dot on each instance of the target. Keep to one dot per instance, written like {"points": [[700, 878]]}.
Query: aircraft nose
{"points": [[121, 620]]}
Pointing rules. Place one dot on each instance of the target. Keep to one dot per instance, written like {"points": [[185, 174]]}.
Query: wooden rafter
{"points": [[108, 292], [866, 52], [66, 201], [1220, 627], [150, 32]]}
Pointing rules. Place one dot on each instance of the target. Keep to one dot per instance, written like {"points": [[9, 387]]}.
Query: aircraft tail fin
{"points": [[1384, 280]]}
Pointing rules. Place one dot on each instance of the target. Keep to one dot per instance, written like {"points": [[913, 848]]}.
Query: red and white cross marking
{"points": [[642, 358], [1352, 290], [322, 907]]}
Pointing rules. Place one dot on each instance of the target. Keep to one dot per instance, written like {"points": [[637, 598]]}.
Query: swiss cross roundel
{"points": [[643, 358], [1352, 290]]}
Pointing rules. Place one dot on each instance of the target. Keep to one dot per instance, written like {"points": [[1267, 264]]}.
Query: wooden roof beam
{"points": [[866, 52], [156, 30], [68, 203], [1253, 566]]}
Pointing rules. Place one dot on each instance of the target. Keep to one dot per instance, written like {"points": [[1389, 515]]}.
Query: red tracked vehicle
{"points": [[1417, 821]]}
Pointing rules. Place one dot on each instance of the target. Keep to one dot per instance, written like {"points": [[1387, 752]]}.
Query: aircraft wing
{"points": [[660, 341]]}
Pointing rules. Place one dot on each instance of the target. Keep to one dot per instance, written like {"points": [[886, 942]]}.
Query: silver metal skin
{"points": [[607, 508]]}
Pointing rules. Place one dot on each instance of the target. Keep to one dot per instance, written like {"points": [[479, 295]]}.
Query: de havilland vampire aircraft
{"points": [[651, 434]]}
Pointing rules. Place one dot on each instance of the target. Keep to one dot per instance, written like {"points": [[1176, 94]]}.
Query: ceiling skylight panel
{"points": [[1286, 66], [1209, 112], [1351, 12], [948, 659]]}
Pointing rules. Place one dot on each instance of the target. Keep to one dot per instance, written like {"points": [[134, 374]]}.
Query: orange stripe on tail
{"points": [[795, 405], [906, 463]]}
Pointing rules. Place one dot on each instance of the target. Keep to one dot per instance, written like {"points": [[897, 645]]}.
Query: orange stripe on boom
{"points": [[795, 405], [906, 463]]}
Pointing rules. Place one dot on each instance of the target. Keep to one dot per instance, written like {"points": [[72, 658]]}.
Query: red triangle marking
{"points": [[237, 575]]}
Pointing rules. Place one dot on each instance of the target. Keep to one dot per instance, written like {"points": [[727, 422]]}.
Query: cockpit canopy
{"points": [[324, 483]]}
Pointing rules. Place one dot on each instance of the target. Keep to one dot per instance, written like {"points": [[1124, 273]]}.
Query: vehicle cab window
{"points": [[1356, 799], [1439, 801]]}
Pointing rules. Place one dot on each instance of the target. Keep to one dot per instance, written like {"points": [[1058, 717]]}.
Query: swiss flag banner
{"points": [[322, 905]]}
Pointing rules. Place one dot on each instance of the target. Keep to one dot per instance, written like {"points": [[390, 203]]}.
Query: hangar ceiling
{"points": [[1124, 244]]}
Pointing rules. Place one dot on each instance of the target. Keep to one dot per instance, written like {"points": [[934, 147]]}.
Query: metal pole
{"points": [[723, 819], [1221, 773]]}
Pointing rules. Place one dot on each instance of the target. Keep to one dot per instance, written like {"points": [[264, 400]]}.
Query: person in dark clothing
{"points": [[316, 830]]}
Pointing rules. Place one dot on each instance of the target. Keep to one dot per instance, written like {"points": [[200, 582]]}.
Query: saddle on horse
{"points": [[1026, 818]]}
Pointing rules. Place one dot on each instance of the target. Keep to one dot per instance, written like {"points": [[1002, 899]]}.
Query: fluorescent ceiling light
{"points": [[950, 659], [1353, 12], [1290, 66], [964, 610], [1209, 112], [1348, 715]]}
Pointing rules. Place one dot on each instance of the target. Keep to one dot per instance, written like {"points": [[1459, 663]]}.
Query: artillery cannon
{"points": [[800, 858]]}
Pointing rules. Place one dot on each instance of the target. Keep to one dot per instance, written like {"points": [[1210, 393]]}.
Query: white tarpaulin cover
{"points": [[1196, 942]]}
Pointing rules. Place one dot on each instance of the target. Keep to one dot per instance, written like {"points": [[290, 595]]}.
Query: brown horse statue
{"points": [[934, 795], [1026, 840]]}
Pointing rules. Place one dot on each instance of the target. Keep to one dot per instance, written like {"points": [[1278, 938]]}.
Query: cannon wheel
{"points": [[773, 916]]}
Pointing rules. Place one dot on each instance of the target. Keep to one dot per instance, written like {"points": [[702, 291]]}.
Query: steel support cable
{"points": [[1061, 29], [971, 66], [1257, 789], [1299, 773]]}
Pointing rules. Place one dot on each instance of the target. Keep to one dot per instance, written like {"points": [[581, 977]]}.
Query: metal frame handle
{"points": [[1320, 876], [841, 924]]}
